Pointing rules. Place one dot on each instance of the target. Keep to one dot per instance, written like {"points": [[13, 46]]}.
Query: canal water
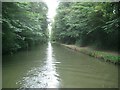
{"points": [[55, 66]]}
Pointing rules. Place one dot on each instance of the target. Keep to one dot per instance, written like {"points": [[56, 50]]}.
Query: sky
{"points": [[52, 5]]}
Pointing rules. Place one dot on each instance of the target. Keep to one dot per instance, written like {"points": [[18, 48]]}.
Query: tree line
{"points": [[23, 25], [87, 24]]}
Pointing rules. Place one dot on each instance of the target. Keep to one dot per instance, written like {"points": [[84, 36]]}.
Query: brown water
{"points": [[55, 66]]}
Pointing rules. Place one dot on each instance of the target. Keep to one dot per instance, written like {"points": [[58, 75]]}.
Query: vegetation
{"points": [[88, 24], [103, 55], [24, 25]]}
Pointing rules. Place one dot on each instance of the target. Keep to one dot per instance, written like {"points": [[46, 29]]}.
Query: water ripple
{"points": [[42, 77]]}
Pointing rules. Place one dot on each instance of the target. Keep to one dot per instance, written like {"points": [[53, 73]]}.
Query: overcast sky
{"points": [[52, 5]]}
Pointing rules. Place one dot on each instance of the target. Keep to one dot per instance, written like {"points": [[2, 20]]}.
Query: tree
{"points": [[87, 23], [24, 25]]}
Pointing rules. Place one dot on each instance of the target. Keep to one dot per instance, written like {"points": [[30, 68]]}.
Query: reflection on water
{"points": [[42, 77], [54, 66]]}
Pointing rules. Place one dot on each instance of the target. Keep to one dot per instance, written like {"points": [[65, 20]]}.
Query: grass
{"points": [[104, 55]]}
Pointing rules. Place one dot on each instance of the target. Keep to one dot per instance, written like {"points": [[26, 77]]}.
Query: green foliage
{"points": [[24, 25], [93, 23]]}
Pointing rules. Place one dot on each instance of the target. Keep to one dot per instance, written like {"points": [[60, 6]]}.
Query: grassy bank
{"points": [[103, 55]]}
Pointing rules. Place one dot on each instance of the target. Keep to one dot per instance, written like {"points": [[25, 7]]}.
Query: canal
{"points": [[55, 66]]}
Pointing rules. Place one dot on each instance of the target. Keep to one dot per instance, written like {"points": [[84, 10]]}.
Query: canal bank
{"points": [[102, 55]]}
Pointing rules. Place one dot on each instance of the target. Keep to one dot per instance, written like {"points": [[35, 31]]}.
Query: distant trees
{"points": [[83, 23], [23, 25]]}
